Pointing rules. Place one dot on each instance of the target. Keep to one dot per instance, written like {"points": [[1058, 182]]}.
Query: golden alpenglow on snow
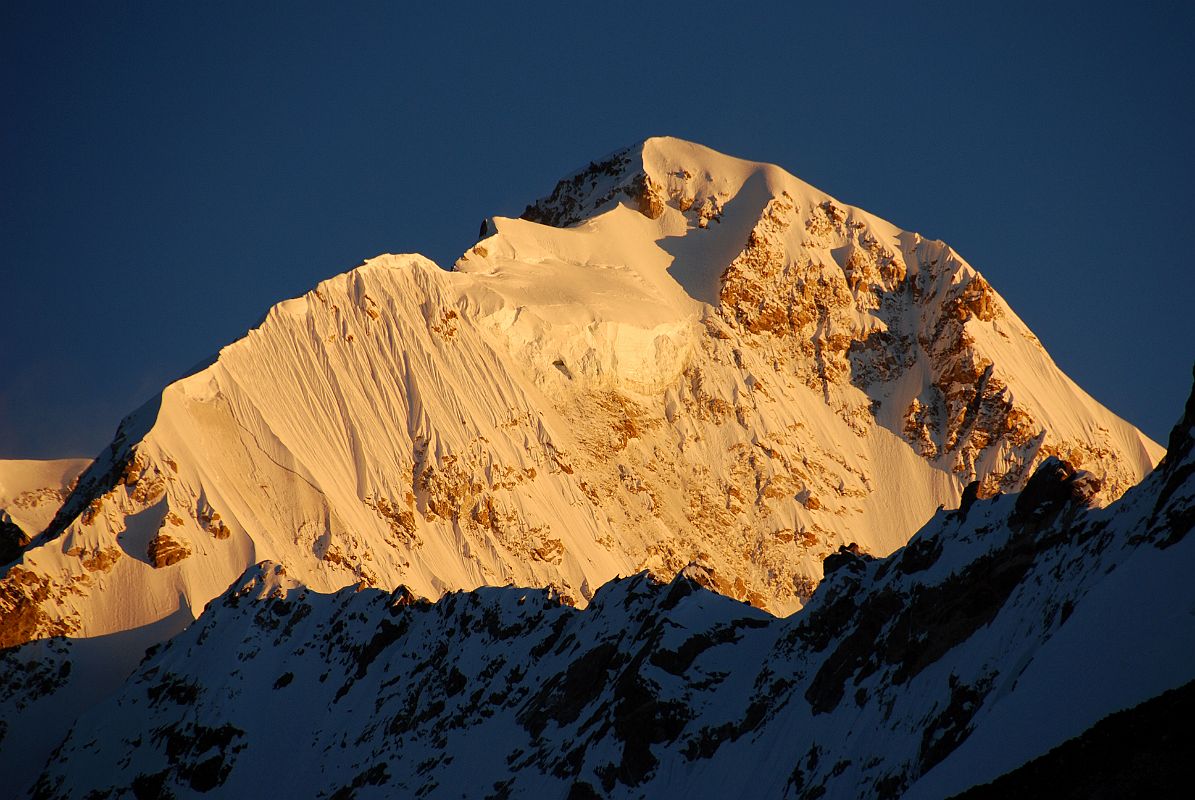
{"points": [[676, 358]]}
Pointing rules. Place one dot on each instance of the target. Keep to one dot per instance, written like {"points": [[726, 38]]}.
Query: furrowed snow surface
{"points": [[677, 357], [1001, 630]]}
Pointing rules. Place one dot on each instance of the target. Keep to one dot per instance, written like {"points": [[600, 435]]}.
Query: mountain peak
{"points": [[649, 174], [678, 356]]}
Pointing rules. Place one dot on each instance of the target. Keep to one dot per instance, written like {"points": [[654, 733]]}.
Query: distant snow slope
{"points": [[1001, 630], [678, 356], [31, 492]]}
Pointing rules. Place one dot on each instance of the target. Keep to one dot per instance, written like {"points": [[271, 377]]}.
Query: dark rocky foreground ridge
{"points": [[1002, 630], [1140, 752]]}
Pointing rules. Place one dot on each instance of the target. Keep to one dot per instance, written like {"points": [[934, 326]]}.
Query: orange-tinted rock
{"points": [[165, 550]]}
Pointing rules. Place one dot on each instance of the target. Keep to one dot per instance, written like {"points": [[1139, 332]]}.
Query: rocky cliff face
{"points": [[943, 665]]}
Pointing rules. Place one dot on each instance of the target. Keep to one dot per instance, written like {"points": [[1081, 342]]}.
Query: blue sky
{"points": [[170, 170]]}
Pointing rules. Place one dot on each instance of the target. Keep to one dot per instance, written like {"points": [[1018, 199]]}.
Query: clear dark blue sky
{"points": [[170, 170]]}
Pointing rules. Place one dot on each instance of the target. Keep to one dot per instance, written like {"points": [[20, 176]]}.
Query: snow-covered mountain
{"points": [[677, 356], [1003, 628]]}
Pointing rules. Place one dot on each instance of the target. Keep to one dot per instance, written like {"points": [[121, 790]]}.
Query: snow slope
{"points": [[699, 359], [1001, 630], [31, 492]]}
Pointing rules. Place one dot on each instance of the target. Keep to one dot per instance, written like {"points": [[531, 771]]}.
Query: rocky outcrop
{"points": [[12, 538], [24, 597], [165, 550], [595, 187]]}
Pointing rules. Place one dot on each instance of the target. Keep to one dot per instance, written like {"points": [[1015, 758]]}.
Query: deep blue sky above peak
{"points": [[171, 170]]}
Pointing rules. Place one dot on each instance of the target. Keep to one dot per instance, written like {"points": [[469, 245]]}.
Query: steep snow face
{"points": [[677, 357], [946, 664]]}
